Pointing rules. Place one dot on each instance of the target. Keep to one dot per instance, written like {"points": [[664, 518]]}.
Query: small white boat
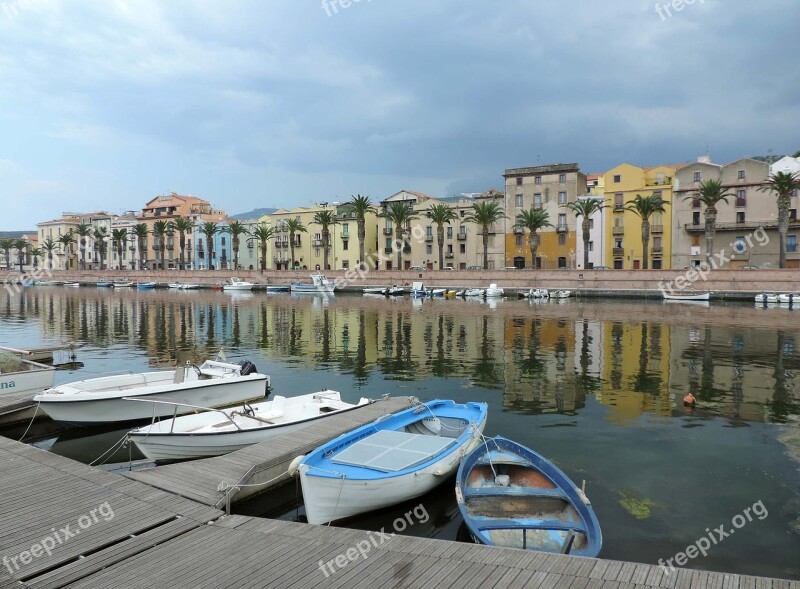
{"points": [[183, 286], [235, 283], [217, 432], [766, 297], [122, 284], [397, 457], [460, 293], [18, 375], [418, 290], [791, 298], [560, 294], [475, 292], [396, 290], [72, 284], [103, 400], [319, 285], [378, 290], [535, 293], [278, 288], [437, 292], [494, 291], [697, 296]]}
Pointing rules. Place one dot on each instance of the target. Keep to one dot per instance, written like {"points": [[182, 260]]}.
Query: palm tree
{"points": [[183, 226], [782, 184], [49, 246], [118, 238], [21, 245], [586, 207], [263, 233], [485, 214], [236, 229], [7, 245], [159, 232], [102, 245], [400, 214], [645, 207], [441, 214], [36, 254], [294, 226], [141, 232], [710, 193], [326, 219], [361, 206], [67, 241], [209, 229], [533, 220], [83, 231]]}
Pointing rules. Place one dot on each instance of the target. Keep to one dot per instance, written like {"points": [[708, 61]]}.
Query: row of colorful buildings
{"points": [[677, 236]]}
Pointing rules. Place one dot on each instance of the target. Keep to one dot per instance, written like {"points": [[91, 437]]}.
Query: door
{"points": [[519, 262], [636, 264]]}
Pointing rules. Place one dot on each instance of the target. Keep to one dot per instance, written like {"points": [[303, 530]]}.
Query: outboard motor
{"points": [[247, 367]]}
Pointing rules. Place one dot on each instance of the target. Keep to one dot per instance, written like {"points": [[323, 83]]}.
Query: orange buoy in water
{"points": [[689, 400]]}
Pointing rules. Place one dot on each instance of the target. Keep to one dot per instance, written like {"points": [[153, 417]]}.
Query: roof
{"points": [[547, 169], [172, 195], [676, 166]]}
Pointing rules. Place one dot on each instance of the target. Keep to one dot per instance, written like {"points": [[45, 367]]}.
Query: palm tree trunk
{"points": [[209, 247], [183, 248], [362, 236], [783, 227], [645, 243], [325, 245], [235, 252], [263, 255], [585, 230], [291, 247], [398, 239], [533, 244], [485, 248], [711, 224], [440, 239]]}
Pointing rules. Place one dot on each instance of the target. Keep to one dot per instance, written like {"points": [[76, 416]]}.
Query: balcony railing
{"points": [[406, 249], [317, 243], [618, 252], [387, 250], [618, 230], [519, 230], [741, 202], [345, 236], [462, 236], [657, 251], [562, 228], [699, 228], [656, 228], [449, 255], [428, 237], [388, 231], [619, 207]]}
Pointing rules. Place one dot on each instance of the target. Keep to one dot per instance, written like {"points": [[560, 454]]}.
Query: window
{"points": [[449, 233], [518, 240], [223, 241], [617, 264], [698, 176], [562, 239], [793, 192], [537, 201], [562, 221], [519, 200], [793, 215], [316, 252], [591, 224], [450, 248], [345, 230], [389, 244], [791, 243], [562, 198], [657, 243], [618, 244], [619, 201], [695, 240], [562, 262], [740, 217], [429, 232], [695, 203], [741, 175], [656, 264], [617, 178], [696, 218], [462, 248], [429, 249], [346, 264], [562, 178], [591, 246], [519, 181], [741, 198], [537, 180], [345, 245]]}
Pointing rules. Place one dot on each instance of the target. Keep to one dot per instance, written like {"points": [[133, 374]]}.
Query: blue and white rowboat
{"points": [[398, 457], [512, 497]]}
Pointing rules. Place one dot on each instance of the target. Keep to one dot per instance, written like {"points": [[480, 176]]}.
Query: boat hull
{"points": [[209, 393], [35, 380], [704, 296]]}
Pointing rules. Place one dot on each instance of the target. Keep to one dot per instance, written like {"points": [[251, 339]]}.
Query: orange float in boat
{"points": [[689, 400]]}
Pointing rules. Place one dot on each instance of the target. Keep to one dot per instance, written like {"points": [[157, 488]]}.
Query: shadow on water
{"points": [[596, 386]]}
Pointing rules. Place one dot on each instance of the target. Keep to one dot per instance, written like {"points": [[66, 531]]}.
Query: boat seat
{"points": [[515, 492], [529, 524], [276, 409]]}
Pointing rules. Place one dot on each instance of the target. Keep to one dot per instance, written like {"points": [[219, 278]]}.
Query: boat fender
{"points": [[502, 480], [689, 400], [294, 465]]}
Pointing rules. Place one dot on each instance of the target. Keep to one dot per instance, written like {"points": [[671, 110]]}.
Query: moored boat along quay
{"points": [[723, 284], [78, 526]]}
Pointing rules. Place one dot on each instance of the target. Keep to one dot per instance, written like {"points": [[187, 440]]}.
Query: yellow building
{"points": [[624, 248], [61, 260], [308, 251]]}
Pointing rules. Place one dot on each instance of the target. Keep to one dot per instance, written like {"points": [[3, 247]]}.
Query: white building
{"points": [[597, 237], [788, 164]]}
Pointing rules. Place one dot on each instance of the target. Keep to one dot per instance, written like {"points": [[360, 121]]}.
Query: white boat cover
{"points": [[392, 451]]}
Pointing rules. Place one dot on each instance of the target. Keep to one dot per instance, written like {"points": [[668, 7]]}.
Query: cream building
{"points": [[62, 259]]}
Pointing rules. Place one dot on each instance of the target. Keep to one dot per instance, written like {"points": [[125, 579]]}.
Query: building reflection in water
{"points": [[637, 359]]}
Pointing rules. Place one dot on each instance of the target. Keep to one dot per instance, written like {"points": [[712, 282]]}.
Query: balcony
{"points": [[618, 252], [700, 228], [250, 245], [561, 228], [388, 231], [170, 246], [657, 251], [406, 249], [618, 230], [619, 208], [317, 243], [387, 250], [429, 238], [519, 230], [462, 237], [449, 255], [695, 204], [741, 202], [656, 228], [345, 236]]}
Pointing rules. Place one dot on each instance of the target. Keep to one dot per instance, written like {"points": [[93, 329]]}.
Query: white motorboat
{"points": [[102, 400], [217, 432], [560, 294], [235, 283], [395, 458], [72, 284], [418, 290], [319, 285], [494, 291], [378, 290], [396, 290], [437, 292], [122, 284], [475, 292], [535, 293], [696, 296], [18, 375], [767, 297], [791, 298], [183, 286]]}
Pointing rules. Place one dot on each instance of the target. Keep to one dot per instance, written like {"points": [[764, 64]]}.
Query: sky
{"points": [[278, 103]]}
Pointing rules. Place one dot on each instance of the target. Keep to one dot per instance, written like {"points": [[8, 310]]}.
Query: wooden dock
{"points": [[213, 481], [156, 538], [17, 407]]}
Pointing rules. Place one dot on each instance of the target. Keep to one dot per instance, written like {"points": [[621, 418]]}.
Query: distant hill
{"points": [[254, 214], [15, 234]]}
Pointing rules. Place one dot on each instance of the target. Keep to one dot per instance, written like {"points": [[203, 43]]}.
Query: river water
{"points": [[595, 386]]}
